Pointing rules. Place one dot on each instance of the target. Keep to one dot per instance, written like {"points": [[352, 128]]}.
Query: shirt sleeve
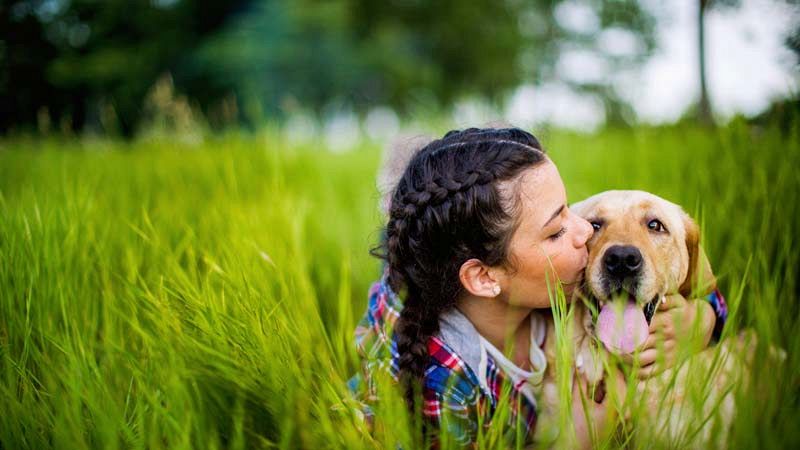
{"points": [[720, 307], [374, 347], [452, 421]]}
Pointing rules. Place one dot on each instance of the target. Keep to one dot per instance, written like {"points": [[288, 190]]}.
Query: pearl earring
{"points": [[496, 290]]}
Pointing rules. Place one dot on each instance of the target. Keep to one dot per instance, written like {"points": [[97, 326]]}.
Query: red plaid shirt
{"points": [[455, 401]]}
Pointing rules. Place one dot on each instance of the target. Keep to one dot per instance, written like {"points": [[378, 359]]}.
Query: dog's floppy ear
{"points": [[700, 279]]}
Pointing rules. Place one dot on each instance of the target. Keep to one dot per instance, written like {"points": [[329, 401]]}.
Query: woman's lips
{"points": [[576, 280], [579, 274]]}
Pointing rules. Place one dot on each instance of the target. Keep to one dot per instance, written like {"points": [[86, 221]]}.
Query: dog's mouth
{"points": [[625, 307], [623, 322], [623, 295], [649, 309]]}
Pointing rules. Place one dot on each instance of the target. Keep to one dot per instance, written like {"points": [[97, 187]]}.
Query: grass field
{"points": [[161, 295]]}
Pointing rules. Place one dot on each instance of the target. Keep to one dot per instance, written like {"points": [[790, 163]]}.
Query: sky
{"points": [[748, 65]]}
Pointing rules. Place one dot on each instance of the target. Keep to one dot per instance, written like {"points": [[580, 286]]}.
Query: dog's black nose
{"points": [[622, 261]]}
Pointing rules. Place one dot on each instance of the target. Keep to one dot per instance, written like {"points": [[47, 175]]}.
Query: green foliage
{"points": [[165, 295], [68, 59], [402, 54], [74, 63]]}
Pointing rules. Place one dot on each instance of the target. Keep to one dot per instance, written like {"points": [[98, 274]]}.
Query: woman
{"points": [[478, 234]]}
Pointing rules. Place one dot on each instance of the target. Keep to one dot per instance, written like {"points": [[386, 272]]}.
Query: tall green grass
{"points": [[164, 295]]}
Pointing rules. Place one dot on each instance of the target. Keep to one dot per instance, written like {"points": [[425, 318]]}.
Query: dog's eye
{"points": [[596, 225], [656, 225]]}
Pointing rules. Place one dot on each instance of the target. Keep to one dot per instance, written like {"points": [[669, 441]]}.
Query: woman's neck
{"points": [[501, 324]]}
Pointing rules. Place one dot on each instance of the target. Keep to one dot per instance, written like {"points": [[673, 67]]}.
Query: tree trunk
{"points": [[704, 107]]}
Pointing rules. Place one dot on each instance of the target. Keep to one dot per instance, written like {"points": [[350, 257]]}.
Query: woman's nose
{"points": [[586, 231]]}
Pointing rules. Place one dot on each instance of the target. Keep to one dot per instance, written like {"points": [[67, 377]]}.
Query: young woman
{"points": [[478, 235]]}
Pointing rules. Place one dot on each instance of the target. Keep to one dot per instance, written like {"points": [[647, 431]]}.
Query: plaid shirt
{"points": [[454, 399]]}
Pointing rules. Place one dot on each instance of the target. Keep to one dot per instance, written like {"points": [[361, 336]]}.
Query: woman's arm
{"points": [[675, 320]]}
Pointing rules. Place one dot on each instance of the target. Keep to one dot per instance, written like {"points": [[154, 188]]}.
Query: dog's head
{"points": [[643, 247]]}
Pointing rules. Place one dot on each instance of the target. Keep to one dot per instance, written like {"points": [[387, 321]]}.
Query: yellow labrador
{"points": [[643, 249]]}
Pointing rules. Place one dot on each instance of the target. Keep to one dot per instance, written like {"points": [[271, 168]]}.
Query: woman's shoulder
{"points": [[373, 334], [448, 374], [451, 367]]}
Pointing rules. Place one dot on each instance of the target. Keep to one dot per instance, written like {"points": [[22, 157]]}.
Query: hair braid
{"points": [[447, 208]]}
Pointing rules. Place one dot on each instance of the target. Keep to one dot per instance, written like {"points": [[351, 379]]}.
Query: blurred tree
{"points": [[704, 112], [73, 59], [24, 52], [93, 61], [793, 39], [793, 42], [278, 55], [404, 53]]}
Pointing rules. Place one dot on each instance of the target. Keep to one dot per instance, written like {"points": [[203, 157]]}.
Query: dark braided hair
{"points": [[450, 206]]}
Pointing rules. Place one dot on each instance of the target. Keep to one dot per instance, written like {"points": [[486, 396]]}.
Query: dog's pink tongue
{"points": [[622, 331]]}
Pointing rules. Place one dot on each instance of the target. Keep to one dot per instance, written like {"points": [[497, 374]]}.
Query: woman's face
{"points": [[550, 243]]}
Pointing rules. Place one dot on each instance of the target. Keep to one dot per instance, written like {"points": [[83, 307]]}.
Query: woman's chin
{"points": [[570, 287]]}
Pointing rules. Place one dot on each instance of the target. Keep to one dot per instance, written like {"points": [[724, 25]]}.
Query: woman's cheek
{"points": [[563, 261], [573, 263]]}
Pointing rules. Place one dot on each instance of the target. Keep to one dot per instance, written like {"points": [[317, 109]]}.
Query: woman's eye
{"points": [[558, 235], [656, 225]]}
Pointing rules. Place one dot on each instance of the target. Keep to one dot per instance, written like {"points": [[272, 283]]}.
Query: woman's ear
{"points": [[699, 278], [479, 279]]}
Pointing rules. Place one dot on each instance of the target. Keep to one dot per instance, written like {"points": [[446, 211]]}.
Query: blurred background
{"points": [[345, 68], [207, 297]]}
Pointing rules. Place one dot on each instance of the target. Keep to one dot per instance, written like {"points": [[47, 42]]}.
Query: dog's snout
{"points": [[622, 260]]}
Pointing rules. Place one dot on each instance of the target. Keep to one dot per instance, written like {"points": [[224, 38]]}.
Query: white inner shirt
{"points": [[529, 382]]}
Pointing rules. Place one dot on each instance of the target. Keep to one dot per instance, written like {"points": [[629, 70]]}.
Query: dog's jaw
{"points": [[649, 308]]}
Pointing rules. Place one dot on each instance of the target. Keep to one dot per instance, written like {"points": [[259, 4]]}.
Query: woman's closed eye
{"points": [[554, 237]]}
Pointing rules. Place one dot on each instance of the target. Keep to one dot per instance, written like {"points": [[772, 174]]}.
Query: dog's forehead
{"points": [[610, 204]]}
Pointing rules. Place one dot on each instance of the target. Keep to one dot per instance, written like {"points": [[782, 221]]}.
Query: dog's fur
{"points": [[675, 406]]}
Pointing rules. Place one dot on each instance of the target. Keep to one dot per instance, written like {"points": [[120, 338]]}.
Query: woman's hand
{"points": [[675, 321]]}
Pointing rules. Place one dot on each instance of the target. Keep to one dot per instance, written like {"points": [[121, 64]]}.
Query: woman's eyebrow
{"points": [[555, 214]]}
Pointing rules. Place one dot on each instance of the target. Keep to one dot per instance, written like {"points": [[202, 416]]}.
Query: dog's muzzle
{"points": [[622, 262], [623, 266]]}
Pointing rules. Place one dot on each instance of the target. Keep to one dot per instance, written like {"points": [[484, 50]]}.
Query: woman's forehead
{"points": [[542, 192]]}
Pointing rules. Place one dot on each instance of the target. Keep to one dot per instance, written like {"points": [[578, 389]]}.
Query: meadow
{"points": [[159, 294]]}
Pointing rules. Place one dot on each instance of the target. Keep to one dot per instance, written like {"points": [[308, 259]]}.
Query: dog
{"points": [[644, 248]]}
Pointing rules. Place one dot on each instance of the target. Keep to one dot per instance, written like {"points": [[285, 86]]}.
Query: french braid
{"points": [[448, 207]]}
